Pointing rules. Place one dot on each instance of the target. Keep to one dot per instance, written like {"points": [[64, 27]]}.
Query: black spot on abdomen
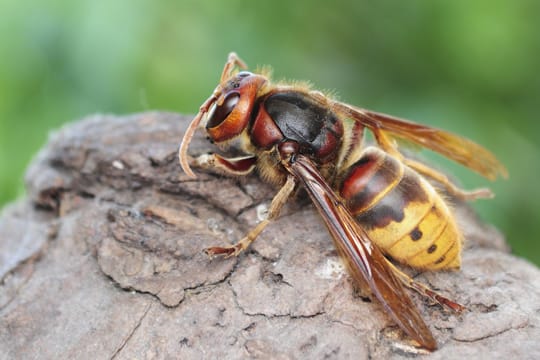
{"points": [[416, 234]]}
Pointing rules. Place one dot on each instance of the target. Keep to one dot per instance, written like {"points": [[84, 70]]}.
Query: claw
{"points": [[226, 252]]}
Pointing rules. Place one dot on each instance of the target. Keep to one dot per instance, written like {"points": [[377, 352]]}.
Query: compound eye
{"points": [[218, 114]]}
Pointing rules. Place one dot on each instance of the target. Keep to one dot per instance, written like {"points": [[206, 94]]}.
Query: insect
{"points": [[375, 202]]}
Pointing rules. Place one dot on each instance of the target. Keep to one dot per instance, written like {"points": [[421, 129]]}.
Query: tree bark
{"points": [[103, 259]]}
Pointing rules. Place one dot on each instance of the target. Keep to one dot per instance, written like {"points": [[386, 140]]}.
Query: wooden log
{"points": [[103, 259]]}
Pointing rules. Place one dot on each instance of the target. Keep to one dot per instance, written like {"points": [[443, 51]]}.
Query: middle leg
{"points": [[275, 207]]}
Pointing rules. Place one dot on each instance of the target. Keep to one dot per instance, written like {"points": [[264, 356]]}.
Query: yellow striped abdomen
{"points": [[402, 213]]}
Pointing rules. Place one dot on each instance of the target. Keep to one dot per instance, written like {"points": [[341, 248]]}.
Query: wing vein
{"points": [[365, 260]]}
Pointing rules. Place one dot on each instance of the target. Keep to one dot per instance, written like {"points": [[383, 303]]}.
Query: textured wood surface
{"points": [[103, 259]]}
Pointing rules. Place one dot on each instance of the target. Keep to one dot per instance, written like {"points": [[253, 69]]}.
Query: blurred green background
{"points": [[471, 67]]}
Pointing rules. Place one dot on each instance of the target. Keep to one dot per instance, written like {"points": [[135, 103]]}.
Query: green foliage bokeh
{"points": [[466, 66]]}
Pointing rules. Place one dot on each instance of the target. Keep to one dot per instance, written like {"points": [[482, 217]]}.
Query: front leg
{"points": [[275, 207], [239, 166]]}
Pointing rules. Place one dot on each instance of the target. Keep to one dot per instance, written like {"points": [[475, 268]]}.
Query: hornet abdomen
{"points": [[402, 212]]}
